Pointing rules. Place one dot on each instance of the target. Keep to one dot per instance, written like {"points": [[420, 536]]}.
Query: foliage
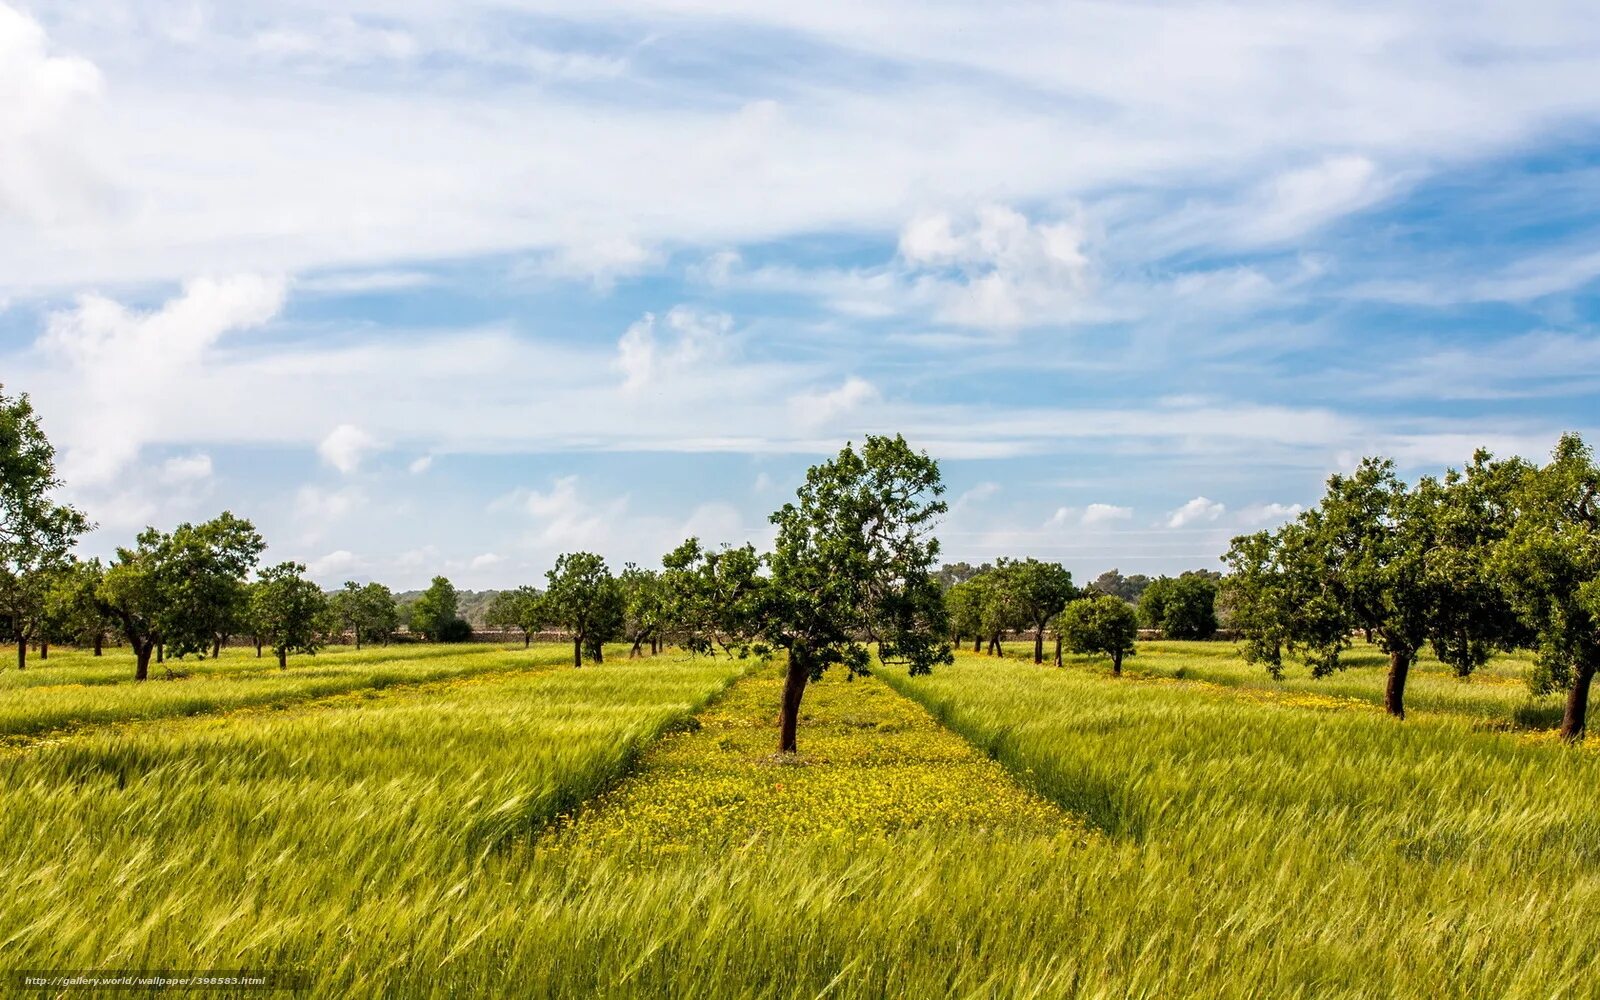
{"points": [[712, 598], [286, 610], [1182, 607], [433, 615], [368, 611], [522, 609], [1129, 588], [955, 574], [200, 574], [1036, 592], [583, 597], [1101, 624]]}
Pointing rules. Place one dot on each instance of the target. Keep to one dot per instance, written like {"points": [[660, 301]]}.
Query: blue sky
{"points": [[455, 287]]}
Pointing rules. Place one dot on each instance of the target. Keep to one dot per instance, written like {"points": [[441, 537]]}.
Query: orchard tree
{"points": [[712, 598], [36, 533], [1039, 591], [1279, 600], [582, 597], [1549, 565], [1100, 624], [1182, 607], [1001, 610], [201, 577], [851, 564], [963, 603], [521, 609], [643, 608], [1129, 588], [75, 612], [434, 615], [286, 610], [955, 574]]}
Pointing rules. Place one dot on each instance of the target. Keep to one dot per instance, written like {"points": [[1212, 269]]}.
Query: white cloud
{"points": [[345, 446], [1268, 513], [186, 469], [317, 510], [1298, 201], [696, 338], [1195, 511], [485, 560], [334, 563], [119, 361], [820, 409], [1104, 513], [420, 465]]}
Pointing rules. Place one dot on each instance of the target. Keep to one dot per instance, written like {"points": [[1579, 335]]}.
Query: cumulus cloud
{"points": [[820, 409], [1090, 516], [996, 270], [485, 560], [183, 470], [1267, 513], [1196, 511], [647, 355], [332, 564], [345, 446], [121, 361]]}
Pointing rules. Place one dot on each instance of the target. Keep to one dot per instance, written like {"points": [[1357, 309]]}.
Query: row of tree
{"points": [[1501, 555]]}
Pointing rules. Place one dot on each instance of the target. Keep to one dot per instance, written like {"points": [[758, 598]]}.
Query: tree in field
{"points": [[1279, 600], [1182, 607], [1129, 588], [643, 608], [132, 592], [1549, 565], [36, 533], [954, 574], [201, 577], [1002, 609], [963, 603], [287, 610], [74, 609], [521, 609], [434, 615], [583, 597], [852, 563], [711, 599], [367, 612], [1039, 591], [1100, 624]]}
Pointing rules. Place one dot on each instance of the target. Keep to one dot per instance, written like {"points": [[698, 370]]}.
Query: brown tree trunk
{"points": [[44, 649], [1394, 696], [22, 654], [1116, 663], [358, 640], [794, 689], [637, 651], [161, 652], [283, 659], [1038, 644], [258, 647], [577, 651], [977, 644], [216, 647], [599, 653], [141, 662], [995, 649], [99, 644], [527, 639], [1058, 649], [1572, 721]]}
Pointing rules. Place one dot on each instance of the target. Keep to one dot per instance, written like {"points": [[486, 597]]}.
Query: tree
{"points": [[954, 574], [643, 608], [712, 598], [433, 615], [286, 610], [1549, 566], [582, 597], [74, 609], [522, 609], [852, 563], [963, 603], [1182, 607], [201, 575], [36, 533], [1001, 610], [1038, 592], [1129, 588], [1100, 624]]}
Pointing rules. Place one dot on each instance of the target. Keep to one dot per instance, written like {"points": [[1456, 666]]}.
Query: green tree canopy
{"points": [[712, 598], [1101, 624], [852, 563], [1037, 592], [1182, 607], [434, 615], [521, 609], [286, 610], [583, 597]]}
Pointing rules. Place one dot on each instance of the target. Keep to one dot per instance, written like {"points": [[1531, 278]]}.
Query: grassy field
{"points": [[1063, 833]]}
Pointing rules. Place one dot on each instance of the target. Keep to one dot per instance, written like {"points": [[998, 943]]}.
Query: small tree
{"points": [[521, 609], [36, 533], [1549, 565], [434, 615], [852, 562], [963, 603], [200, 577], [1129, 588], [1182, 607], [1101, 624], [582, 597], [712, 598], [286, 610], [1001, 610], [75, 612], [643, 608], [1039, 590]]}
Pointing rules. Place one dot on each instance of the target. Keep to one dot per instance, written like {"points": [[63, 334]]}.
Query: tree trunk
{"points": [[1038, 644], [358, 640], [1116, 663], [637, 651], [794, 689], [161, 652], [527, 639], [599, 653], [1572, 721], [1058, 649], [216, 647], [577, 651], [99, 644], [22, 654], [283, 659], [44, 649], [141, 662], [995, 649], [258, 647], [1394, 697], [977, 643]]}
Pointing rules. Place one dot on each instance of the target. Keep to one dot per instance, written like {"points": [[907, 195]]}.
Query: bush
{"points": [[456, 630]]}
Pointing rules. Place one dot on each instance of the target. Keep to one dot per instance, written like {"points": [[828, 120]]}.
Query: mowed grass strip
{"points": [[872, 765], [342, 841], [1497, 693], [30, 710]]}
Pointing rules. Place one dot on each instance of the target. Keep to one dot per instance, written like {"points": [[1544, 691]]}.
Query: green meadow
{"points": [[448, 821]]}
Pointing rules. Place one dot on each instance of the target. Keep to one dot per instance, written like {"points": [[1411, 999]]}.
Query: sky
{"points": [[454, 287]]}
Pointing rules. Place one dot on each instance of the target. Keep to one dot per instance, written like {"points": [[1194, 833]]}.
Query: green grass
{"points": [[87, 691], [1090, 837], [1498, 693]]}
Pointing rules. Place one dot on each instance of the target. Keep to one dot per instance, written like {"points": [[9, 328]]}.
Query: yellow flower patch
{"points": [[872, 764]]}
